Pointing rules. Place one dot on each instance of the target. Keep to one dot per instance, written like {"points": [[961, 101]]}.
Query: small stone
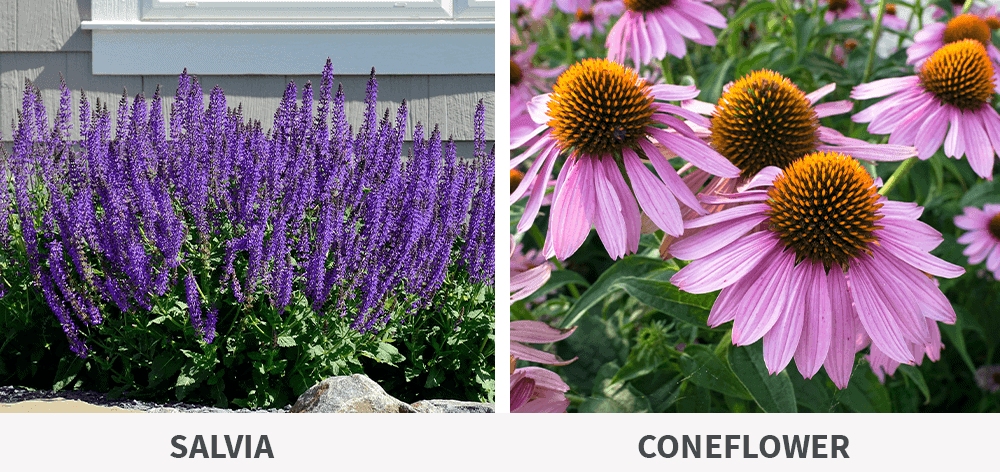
{"points": [[452, 406], [348, 394]]}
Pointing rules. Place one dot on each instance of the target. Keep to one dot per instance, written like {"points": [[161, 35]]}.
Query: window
{"points": [[292, 37]]}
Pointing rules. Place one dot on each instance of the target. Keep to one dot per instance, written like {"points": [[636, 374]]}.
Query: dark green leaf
{"points": [[558, 279], [773, 393], [917, 378], [632, 266], [704, 368], [864, 393], [666, 298], [751, 9]]}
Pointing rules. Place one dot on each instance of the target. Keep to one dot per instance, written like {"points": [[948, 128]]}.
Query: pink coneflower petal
{"points": [[977, 145], [547, 394], [817, 330], [521, 388], [691, 149], [670, 178], [734, 213], [901, 303], [884, 87], [932, 132], [766, 300], [876, 316], [689, 115], [833, 108], [531, 354], [725, 198], [547, 146], [617, 217], [764, 178], [651, 31], [906, 129], [573, 208], [818, 94], [527, 282], [919, 259], [653, 196], [671, 93], [933, 304], [724, 267], [727, 305], [545, 378], [537, 196], [782, 339], [983, 236], [715, 237], [527, 331], [844, 328]]}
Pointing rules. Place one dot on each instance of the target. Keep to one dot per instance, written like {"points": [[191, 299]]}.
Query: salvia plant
{"points": [[204, 241]]}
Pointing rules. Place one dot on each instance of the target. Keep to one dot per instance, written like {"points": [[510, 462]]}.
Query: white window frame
{"points": [[162, 37]]}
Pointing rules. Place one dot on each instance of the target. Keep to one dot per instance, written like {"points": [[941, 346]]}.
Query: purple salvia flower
{"points": [[204, 325], [76, 343]]}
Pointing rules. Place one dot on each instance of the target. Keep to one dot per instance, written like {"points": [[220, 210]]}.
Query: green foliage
{"points": [[259, 359]]}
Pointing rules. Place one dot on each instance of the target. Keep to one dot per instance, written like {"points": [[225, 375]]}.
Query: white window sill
{"points": [[405, 47]]}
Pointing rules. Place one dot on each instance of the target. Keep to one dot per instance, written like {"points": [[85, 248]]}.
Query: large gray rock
{"points": [[452, 406], [349, 394], [359, 394]]}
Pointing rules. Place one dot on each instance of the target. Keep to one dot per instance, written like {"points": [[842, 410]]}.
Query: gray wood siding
{"points": [[39, 39]]}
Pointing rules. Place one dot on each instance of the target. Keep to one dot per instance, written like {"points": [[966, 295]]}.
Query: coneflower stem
{"points": [[900, 171], [876, 32]]}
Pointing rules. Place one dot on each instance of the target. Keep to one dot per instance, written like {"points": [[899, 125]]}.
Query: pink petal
{"points": [[725, 267], [782, 339], [977, 145], [528, 331], [821, 92], [678, 188], [932, 131], [764, 178], [766, 300], [843, 331], [700, 107], [696, 152], [524, 284], [922, 260], [544, 378], [875, 315], [833, 108], [814, 343], [669, 93], [881, 88], [727, 305], [537, 196], [653, 195], [572, 208], [753, 209], [531, 354], [714, 238], [954, 142], [630, 210], [609, 215]]}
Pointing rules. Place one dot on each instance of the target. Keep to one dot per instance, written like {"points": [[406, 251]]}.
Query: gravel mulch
{"points": [[16, 394]]}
